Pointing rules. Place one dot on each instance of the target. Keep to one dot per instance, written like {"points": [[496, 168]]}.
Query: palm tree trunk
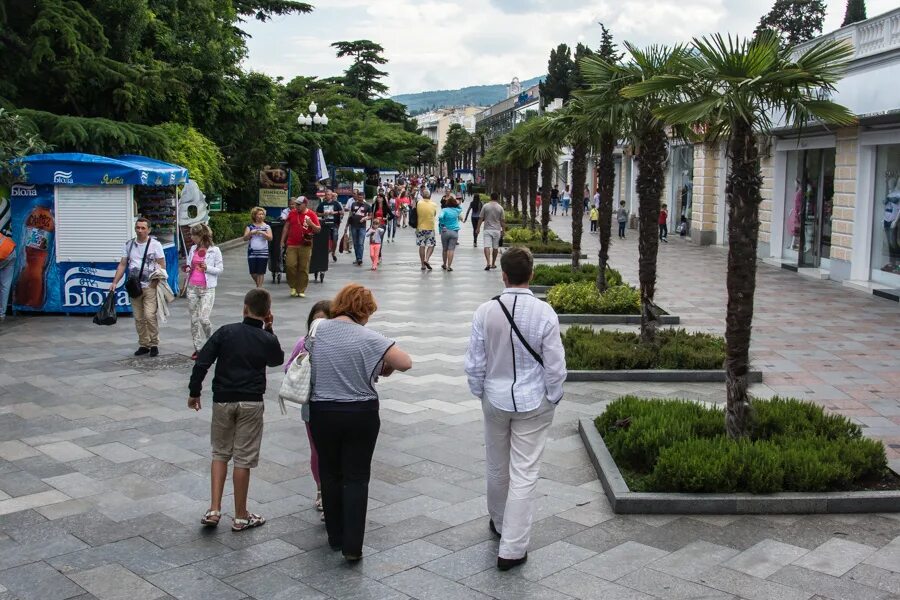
{"points": [[505, 190], [532, 194], [744, 181], [523, 193], [579, 176], [514, 191], [607, 183], [650, 182], [546, 184]]}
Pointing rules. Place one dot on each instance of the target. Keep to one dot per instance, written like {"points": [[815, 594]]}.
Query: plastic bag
{"points": [[107, 313]]}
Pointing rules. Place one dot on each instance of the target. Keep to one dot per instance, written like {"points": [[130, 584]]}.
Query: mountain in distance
{"points": [[475, 95]]}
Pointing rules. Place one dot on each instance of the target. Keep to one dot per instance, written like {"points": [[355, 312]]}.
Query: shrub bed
{"points": [[793, 446], [228, 226], [588, 349], [556, 274], [583, 298]]}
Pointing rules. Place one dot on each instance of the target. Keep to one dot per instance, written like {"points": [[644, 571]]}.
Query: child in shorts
{"points": [[241, 351]]}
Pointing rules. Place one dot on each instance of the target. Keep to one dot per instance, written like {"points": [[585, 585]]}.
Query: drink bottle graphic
{"points": [[39, 227]]}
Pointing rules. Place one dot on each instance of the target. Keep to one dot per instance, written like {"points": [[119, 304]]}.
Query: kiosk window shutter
{"points": [[92, 223]]}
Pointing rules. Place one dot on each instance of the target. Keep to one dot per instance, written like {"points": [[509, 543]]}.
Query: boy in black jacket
{"points": [[241, 351]]}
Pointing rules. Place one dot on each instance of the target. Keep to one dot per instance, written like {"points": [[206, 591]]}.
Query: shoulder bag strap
{"points": [[518, 333], [143, 260]]}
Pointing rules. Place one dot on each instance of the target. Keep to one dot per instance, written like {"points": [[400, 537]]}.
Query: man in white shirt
{"points": [[596, 200], [141, 257], [292, 205], [518, 372]]}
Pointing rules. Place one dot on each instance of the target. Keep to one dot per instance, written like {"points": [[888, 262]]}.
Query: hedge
{"points": [[589, 349], [556, 274], [583, 298], [228, 226], [793, 446]]}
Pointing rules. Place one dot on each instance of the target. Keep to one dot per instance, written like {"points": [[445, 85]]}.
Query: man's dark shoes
{"points": [[487, 268], [493, 528], [505, 564], [142, 351], [154, 352], [352, 557], [427, 265]]}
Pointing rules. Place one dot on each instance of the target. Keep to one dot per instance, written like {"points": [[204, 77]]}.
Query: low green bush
{"points": [[588, 349], [680, 446], [583, 298], [555, 274], [228, 226], [524, 234]]}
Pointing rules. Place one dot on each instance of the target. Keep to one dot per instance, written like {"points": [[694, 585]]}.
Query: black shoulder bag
{"points": [[132, 283], [518, 333]]}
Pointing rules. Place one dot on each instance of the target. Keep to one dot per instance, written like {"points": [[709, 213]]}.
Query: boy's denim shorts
{"points": [[236, 432]]}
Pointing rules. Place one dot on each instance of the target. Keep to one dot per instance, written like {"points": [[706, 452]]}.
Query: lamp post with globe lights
{"points": [[313, 121]]}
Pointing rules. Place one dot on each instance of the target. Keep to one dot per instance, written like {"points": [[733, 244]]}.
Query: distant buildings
{"points": [[436, 123]]}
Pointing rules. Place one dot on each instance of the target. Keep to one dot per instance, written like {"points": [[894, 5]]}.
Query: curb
{"points": [[548, 256], [624, 501], [568, 318], [230, 244], [660, 375]]}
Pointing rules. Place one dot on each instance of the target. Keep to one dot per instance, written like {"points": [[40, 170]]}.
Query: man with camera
{"points": [[141, 257]]}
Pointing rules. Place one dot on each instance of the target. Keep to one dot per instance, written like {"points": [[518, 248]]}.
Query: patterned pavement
{"points": [[104, 471]]}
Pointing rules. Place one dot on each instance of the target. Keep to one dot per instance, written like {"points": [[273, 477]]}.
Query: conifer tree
{"points": [[794, 21], [856, 11]]}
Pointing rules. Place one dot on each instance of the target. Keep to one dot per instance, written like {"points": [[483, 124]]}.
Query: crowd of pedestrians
{"points": [[347, 358]]}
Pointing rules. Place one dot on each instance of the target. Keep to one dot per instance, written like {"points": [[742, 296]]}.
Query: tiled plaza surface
{"points": [[104, 471]]}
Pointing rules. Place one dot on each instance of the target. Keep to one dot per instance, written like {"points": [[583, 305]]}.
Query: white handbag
{"points": [[296, 387]]}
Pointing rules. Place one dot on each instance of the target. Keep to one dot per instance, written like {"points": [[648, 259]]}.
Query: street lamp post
{"points": [[312, 121]]}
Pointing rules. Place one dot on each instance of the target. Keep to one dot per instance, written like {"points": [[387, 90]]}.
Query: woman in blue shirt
{"points": [[448, 222]]}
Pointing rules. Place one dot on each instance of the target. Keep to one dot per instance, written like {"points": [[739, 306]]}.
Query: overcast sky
{"points": [[448, 44]]}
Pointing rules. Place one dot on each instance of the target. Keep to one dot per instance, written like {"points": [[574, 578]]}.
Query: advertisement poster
{"points": [[33, 230], [273, 187]]}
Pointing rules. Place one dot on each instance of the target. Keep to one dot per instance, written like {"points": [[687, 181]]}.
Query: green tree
{"points": [[362, 77], [200, 155], [794, 21], [560, 69], [732, 88], [459, 142], [15, 142], [856, 11], [646, 133]]}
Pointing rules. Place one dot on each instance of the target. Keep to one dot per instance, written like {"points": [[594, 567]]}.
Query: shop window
{"points": [[808, 207], [682, 192], [886, 215]]}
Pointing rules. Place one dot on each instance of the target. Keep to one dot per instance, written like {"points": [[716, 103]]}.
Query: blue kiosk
{"points": [[71, 215]]}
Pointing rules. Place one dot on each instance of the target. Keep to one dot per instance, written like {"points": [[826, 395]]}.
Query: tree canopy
{"points": [[560, 71], [856, 11], [794, 21], [362, 77]]}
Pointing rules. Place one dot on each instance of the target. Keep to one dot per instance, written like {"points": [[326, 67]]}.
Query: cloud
{"points": [[439, 44]]}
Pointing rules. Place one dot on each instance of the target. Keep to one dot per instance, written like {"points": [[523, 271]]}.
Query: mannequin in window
{"points": [[794, 216], [891, 220], [809, 224]]}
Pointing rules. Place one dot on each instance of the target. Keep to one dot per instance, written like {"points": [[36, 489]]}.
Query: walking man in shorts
{"points": [[241, 351], [426, 212], [494, 224]]}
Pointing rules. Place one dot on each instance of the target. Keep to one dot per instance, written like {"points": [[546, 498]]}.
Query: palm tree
{"points": [[541, 144], [734, 89], [647, 134], [578, 129]]}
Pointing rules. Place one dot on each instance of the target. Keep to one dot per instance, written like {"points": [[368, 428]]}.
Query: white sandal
{"points": [[208, 522], [250, 522]]}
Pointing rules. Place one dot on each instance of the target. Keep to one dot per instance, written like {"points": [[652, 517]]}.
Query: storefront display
{"points": [[682, 192], [808, 207], [886, 215]]}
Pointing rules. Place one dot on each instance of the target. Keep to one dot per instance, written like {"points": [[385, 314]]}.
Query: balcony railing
{"points": [[873, 36]]}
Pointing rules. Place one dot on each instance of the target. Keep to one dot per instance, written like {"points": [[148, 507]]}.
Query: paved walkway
{"points": [[104, 471]]}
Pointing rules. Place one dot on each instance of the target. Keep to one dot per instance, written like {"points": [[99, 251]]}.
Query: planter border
{"points": [[567, 255], [659, 375], [588, 319], [624, 501]]}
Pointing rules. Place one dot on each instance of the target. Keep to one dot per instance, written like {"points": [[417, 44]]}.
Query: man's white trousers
{"points": [[514, 443]]}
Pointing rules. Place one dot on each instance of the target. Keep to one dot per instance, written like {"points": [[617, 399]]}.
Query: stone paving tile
{"points": [[38, 581], [825, 585], [347, 583], [190, 583], [509, 586], [620, 561], [887, 557], [663, 585], [270, 583], [400, 558], [874, 577], [581, 585], [765, 558], [248, 558], [693, 559], [425, 585], [835, 557], [113, 582], [749, 587]]}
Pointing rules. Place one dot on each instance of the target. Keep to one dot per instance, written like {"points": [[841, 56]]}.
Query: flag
{"points": [[321, 167]]}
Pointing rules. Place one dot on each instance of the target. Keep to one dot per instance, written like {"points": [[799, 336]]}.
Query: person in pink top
{"points": [[203, 266], [319, 310]]}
